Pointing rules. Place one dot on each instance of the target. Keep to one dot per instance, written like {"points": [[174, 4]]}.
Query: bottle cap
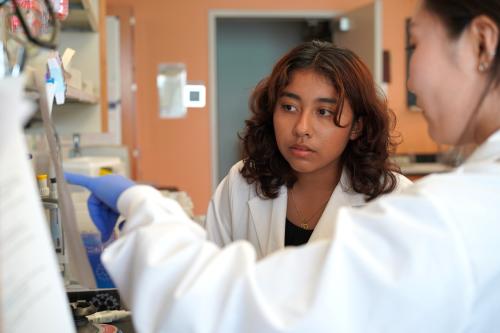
{"points": [[42, 176]]}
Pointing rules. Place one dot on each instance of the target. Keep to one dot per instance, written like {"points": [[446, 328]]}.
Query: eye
{"points": [[410, 48], [325, 113], [288, 107]]}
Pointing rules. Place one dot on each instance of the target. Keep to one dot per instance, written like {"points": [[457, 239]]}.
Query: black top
{"points": [[296, 235]]}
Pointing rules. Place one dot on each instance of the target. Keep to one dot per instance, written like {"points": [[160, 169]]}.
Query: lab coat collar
{"points": [[488, 150], [269, 216], [343, 195], [265, 213]]}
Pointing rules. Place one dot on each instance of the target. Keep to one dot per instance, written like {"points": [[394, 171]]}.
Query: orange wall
{"points": [[178, 152], [410, 124]]}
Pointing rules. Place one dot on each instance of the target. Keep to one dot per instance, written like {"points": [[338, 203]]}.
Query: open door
{"points": [[125, 103], [364, 36]]}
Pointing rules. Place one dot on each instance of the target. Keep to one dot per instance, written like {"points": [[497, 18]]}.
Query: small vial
{"points": [[42, 185], [53, 188]]}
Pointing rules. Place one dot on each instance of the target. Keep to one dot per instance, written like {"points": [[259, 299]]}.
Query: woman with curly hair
{"points": [[318, 139]]}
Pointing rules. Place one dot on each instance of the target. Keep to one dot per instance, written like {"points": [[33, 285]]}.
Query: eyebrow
{"points": [[320, 99]]}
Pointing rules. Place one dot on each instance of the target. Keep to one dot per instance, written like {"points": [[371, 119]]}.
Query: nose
{"points": [[303, 125]]}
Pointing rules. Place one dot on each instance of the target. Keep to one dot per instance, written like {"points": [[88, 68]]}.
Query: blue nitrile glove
{"points": [[102, 203]]}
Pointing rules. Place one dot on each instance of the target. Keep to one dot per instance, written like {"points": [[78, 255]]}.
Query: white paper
{"points": [[32, 295]]}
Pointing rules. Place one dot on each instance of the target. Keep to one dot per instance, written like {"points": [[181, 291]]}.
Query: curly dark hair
{"points": [[365, 158]]}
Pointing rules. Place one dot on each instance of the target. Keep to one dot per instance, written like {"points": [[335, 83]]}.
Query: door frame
{"points": [[125, 14], [213, 15]]}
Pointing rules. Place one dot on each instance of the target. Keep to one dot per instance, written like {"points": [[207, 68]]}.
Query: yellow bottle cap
{"points": [[41, 176], [105, 171]]}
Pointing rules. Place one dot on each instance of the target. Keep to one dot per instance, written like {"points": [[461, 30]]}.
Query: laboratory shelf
{"points": [[82, 16], [79, 96]]}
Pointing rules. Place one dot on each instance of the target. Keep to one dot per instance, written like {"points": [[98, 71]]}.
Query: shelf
{"points": [[79, 96], [424, 168], [82, 16], [72, 96]]}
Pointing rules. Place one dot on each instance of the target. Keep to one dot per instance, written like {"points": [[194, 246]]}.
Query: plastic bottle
{"points": [[42, 185]]}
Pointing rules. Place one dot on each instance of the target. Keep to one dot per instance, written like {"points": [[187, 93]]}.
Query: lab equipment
{"points": [[61, 9], [108, 316], [91, 165], [53, 216], [94, 248], [53, 188], [43, 186], [30, 25], [34, 21]]}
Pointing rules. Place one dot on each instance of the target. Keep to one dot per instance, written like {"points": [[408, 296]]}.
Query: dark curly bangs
{"points": [[366, 158]]}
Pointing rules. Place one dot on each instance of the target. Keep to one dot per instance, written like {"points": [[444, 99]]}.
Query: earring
{"points": [[483, 66]]}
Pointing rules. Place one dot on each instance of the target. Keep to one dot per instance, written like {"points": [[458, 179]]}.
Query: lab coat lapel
{"points": [[342, 196], [268, 217]]}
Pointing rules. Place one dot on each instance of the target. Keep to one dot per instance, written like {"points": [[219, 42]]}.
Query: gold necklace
{"points": [[305, 222]]}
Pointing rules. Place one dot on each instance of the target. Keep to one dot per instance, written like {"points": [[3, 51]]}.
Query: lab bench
{"points": [[415, 171]]}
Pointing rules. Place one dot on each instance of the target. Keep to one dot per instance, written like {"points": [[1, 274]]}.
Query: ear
{"points": [[356, 129], [485, 34]]}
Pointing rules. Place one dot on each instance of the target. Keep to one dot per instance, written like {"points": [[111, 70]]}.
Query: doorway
{"points": [[244, 48]]}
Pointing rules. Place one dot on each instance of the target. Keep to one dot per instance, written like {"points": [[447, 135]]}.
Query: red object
{"points": [[61, 8], [37, 16], [34, 15], [105, 328]]}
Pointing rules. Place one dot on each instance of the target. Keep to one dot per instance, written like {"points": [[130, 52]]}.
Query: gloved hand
{"points": [[102, 203]]}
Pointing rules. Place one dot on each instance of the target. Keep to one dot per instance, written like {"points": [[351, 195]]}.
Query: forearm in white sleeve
{"points": [[375, 277]]}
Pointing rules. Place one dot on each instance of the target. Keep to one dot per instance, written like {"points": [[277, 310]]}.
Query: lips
{"points": [[301, 150]]}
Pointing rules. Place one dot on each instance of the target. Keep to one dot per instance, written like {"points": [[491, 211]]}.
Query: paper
{"points": [[32, 295], [66, 58], [56, 73]]}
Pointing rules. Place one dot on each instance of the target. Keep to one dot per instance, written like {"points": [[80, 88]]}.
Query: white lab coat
{"points": [[237, 212], [422, 260]]}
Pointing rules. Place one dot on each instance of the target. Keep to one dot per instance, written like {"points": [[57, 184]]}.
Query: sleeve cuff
{"points": [[134, 194]]}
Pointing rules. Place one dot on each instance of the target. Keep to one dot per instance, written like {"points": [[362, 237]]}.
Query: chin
{"points": [[441, 137], [436, 137], [301, 167], [436, 132]]}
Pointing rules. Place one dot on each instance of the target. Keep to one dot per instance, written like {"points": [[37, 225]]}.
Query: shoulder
{"points": [[401, 181], [358, 199], [234, 183], [234, 174], [236, 169]]}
